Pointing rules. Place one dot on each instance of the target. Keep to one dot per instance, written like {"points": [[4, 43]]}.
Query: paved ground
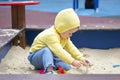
{"points": [[40, 19], [44, 13], [106, 7]]}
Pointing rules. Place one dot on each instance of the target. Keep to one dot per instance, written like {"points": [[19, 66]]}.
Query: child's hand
{"points": [[85, 62], [77, 64]]}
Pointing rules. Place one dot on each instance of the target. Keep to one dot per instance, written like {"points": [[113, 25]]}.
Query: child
{"points": [[53, 47]]}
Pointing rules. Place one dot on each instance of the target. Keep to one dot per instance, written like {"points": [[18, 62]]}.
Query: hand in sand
{"points": [[85, 62], [77, 64]]}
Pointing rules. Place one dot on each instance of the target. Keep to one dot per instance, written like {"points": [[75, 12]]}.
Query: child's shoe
{"points": [[51, 72]]}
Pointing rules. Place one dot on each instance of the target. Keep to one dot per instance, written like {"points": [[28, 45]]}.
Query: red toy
{"points": [[61, 70], [41, 71]]}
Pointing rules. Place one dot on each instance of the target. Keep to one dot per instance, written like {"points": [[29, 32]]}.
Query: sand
{"points": [[15, 62]]}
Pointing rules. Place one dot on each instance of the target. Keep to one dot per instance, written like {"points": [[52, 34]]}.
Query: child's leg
{"points": [[64, 65], [42, 59], [59, 62]]}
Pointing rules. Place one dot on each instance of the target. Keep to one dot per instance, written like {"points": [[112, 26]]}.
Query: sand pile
{"points": [[16, 62], [102, 60]]}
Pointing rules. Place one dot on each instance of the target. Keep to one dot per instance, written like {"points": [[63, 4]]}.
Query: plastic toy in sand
{"points": [[59, 71], [116, 65]]}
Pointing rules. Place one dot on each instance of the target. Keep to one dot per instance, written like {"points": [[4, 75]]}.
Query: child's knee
{"points": [[46, 49], [67, 67]]}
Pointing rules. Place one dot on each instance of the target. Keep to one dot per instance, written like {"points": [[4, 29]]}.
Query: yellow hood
{"points": [[65, 20]]}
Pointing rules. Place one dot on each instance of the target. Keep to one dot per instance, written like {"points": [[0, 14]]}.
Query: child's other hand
{"points": [[85, 62], [77, 64]]}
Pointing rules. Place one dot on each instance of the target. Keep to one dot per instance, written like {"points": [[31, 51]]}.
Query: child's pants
{"points": [[44, 58]]}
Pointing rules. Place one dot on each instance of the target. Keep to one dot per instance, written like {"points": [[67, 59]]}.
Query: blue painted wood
{"points": [[75, 4], [31, 34], [6, 37], [97, 39], [4, 50], [96, 4]]}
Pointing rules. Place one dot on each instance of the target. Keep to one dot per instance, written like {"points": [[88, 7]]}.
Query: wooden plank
{"points": [[18, 18], [61, 77], [6, 35], [18, 22]]}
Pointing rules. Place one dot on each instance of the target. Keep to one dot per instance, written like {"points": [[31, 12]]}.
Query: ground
{"points": [[16, 62]]}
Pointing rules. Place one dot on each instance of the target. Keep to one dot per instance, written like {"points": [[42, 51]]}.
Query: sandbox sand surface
{"points": [[102, 61]]}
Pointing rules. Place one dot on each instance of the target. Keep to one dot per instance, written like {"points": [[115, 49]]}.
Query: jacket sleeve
{"points": [[73, 50], [54, 44]]}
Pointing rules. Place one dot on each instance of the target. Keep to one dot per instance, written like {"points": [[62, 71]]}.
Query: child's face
{"points": [[68, 33]]}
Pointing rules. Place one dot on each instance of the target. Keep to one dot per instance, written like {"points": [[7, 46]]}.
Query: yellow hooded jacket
{"points": [[63, 48]]}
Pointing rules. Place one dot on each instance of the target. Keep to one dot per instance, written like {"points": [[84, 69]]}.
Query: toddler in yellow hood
{"points": [[52, 47]]}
